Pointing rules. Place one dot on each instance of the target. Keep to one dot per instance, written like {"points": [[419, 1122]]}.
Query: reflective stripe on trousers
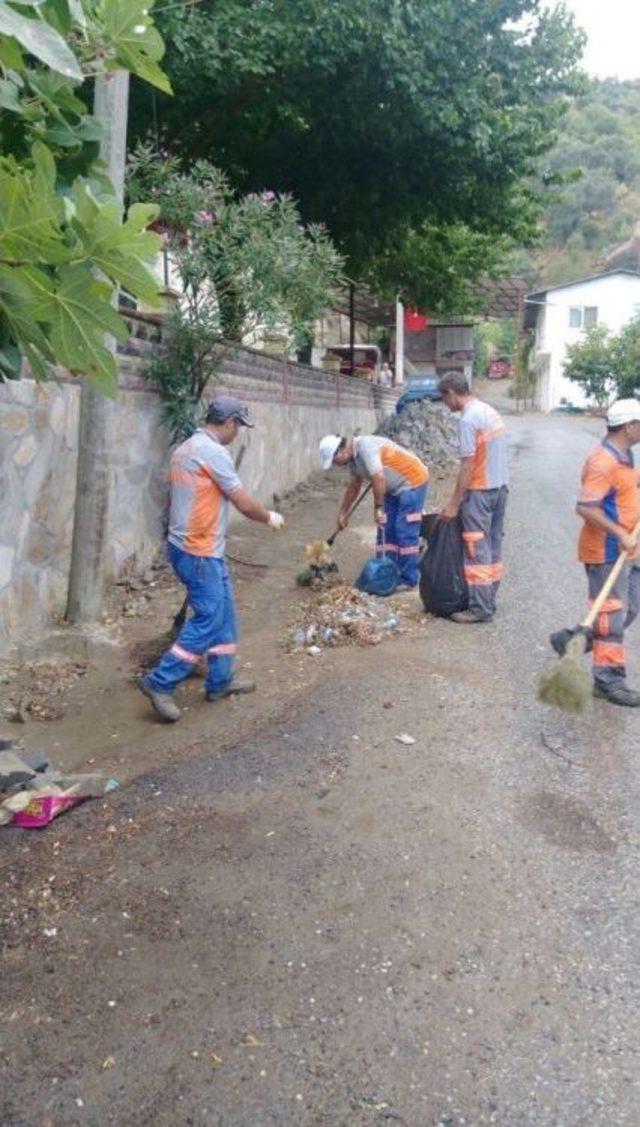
{"points": [[402, 531], [482, 515], [618, 612], [211, 629]]}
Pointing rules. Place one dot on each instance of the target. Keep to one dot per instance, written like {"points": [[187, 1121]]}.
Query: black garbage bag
{"points": [[443, 587]]}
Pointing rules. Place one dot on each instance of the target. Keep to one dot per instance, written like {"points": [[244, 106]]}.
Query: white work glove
{"points": [[276, 521]]}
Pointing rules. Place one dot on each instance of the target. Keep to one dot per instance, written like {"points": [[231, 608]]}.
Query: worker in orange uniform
{"points": [[610, 510], [204, 484], [479, 496], [399, 480]]}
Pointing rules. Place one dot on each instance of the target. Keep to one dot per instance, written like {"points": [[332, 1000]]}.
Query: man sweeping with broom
{"points": [[610, 509]]}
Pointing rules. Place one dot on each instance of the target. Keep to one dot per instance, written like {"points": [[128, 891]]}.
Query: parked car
{"points": [[426, 387], [500, 368]]}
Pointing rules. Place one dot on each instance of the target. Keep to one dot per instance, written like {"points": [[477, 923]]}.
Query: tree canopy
{"points": [[390, 120], [64, 248], [606, 365]]}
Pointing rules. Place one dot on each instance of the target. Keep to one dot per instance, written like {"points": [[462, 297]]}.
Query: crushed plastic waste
{"points": [[34, 797], [344, 616]]}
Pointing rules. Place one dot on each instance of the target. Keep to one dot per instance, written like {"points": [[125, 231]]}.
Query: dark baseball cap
{"points": [[224, 407]]}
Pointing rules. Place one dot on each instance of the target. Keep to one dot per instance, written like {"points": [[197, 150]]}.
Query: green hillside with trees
{"points": [[598, 151]]}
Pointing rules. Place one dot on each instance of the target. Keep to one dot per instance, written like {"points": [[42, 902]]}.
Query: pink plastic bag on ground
{"points": [[42, 809]]}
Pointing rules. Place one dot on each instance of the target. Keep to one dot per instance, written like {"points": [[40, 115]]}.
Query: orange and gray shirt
{"points": [[202, 476], [482, 437], [375, 454], [609, 483]]}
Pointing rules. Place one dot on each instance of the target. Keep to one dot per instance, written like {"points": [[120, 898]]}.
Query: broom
{"points": [[566, 683], [318, 551]]}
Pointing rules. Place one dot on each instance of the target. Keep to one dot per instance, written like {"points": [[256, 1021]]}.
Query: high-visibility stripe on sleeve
{"points": [[412, 551], [498, 571], [413, 518], [472, 536], [223, 649], [184, 655], [383, 549]]}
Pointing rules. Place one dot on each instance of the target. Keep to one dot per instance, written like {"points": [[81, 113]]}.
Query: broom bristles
{"points": [[566, 683]]}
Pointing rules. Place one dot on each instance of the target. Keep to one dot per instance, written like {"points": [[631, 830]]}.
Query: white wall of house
{"points": [[561, 321]]}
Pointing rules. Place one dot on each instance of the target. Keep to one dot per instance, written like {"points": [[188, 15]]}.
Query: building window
{"points": [[583, 316]]}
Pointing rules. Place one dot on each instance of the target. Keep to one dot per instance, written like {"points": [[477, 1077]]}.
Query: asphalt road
{"points": [[325, 926]]}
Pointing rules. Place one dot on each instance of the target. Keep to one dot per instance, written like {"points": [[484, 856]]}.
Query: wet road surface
{"points": [[324, 925]]}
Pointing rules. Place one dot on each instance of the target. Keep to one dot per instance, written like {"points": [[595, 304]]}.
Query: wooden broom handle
{"points": [[608, 584]]}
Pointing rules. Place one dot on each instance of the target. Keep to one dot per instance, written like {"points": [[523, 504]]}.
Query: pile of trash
{"points": [[428, 429], [344, 616], [33, 793]]}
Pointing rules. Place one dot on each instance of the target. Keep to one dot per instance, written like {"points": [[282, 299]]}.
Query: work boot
{"points": [[232, 688], [621, 695], [469, 616], [163, 703]]}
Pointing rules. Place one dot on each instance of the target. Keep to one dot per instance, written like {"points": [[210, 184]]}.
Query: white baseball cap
{"points": [[623, 411], [327, 448]]}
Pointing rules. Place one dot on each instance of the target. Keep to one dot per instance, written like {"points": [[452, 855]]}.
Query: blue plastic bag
{"points": [[379, 577]]}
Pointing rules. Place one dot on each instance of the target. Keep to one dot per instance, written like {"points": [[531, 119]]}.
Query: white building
{"points": [[560, 314]]}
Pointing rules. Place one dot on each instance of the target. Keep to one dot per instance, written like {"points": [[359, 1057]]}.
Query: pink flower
{"points": [[267, 197], [204, 217]]}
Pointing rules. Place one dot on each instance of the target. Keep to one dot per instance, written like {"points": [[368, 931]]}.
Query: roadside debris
{"points": [[35, 793], [39, 690], [426, 428], [344, 616], [404, 738], [17, 768]]}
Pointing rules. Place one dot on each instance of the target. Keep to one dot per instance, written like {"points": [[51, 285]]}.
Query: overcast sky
{"points": [[613, 28]]}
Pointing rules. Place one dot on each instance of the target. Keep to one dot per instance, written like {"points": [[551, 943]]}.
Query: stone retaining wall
{"points": [[293, 407]]}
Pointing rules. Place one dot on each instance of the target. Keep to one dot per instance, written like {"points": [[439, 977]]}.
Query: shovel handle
{"points": [[350, 513], [608, 584]]}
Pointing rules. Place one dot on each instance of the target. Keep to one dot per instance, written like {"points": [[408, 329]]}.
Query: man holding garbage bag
{"points": [[203, 482], [399, 486], [479, 496]]}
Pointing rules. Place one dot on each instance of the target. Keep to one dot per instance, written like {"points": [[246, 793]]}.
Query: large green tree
{"points": [[378, 116]]}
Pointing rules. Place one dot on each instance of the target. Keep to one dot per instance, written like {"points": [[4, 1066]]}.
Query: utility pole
{"points": [[352, 329], [86, 577], [398, 378]]}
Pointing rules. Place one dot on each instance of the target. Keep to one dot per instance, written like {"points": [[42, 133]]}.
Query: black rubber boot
{"points": [[628, 698]]}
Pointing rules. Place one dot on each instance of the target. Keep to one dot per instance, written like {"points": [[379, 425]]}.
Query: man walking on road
{"points": [[479, 496], [203, 482], [610, 510], [399, 480]]}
